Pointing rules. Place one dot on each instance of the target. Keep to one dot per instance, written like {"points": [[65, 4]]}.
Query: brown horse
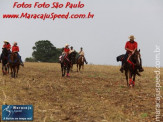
{"points": [[132, 67], [80, 63], [14, 64]]}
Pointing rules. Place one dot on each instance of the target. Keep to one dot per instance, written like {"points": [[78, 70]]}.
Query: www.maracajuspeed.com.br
{"points": [[52, 16]]}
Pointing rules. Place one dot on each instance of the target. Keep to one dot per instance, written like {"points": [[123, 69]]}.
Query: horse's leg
{"points": [[62, 69], [2, 69], [8, 68], [14, 71], [77, 67], [11, 71], [126, 73], [68, 70], [130, 78], [133, 82], [83, 66], [17, 71]]}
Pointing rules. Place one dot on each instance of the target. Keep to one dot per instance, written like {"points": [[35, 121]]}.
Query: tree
{"points": [[30, 59], [44, 51]]}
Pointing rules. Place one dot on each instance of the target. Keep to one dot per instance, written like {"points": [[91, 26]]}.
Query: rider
{"points": [[65, 52], [15, 49], [81, 53], [71, 50], [130, 47], [7, 46]]}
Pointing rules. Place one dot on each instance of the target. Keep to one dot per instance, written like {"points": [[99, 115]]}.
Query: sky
{"points": [[103, 38]]}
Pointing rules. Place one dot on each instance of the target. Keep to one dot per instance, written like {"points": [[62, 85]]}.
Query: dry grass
{"points": [[97, 94]]}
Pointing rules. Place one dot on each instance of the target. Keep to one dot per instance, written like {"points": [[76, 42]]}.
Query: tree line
{"points": [[44, 51]]}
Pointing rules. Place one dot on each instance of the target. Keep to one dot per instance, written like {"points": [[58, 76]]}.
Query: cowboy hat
{"points": [[66, 45], [5, 41], [131, 37]]}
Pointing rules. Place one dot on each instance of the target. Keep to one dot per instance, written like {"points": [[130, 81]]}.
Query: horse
{"points": [[5, 61], [14, 64], [73, 59], [80, 62], [66, 64], [132, 67]]}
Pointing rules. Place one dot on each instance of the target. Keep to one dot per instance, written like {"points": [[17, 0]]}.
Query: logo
{"points": [[17, 112]]}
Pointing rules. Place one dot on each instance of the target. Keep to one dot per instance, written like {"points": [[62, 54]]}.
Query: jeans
{"points": [[19, 58]]}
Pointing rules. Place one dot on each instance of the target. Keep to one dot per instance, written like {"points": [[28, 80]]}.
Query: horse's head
{"points": [[137, 57], [13, 57], [72, 55]]}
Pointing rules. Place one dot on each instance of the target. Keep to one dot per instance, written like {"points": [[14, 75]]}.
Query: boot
{"points": [[22, 64], [85, 61]]}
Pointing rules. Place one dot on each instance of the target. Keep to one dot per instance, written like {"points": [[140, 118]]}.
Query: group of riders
{"points": [[67, 51], [13, 49], [130, 47]]}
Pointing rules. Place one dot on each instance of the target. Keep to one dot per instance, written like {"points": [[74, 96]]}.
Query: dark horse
{"points": [[14, 64], [132, 67], [73, 59], [66, 64], [5, 61], [80, 63]]}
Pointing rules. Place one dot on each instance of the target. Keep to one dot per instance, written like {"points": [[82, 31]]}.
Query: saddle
{"points": [[63, 57]]}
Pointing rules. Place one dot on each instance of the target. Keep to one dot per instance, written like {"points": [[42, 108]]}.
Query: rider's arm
{"points": [[136, 46], [128, 49], [17, 49]]}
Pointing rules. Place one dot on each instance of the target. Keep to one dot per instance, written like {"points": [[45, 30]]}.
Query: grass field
{"points": [[97, 94]]}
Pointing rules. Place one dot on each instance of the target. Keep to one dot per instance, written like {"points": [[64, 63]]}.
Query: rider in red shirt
{"points": [[7, 46], [65, 52], [66, 49], [130, 48], [15, 49]]}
